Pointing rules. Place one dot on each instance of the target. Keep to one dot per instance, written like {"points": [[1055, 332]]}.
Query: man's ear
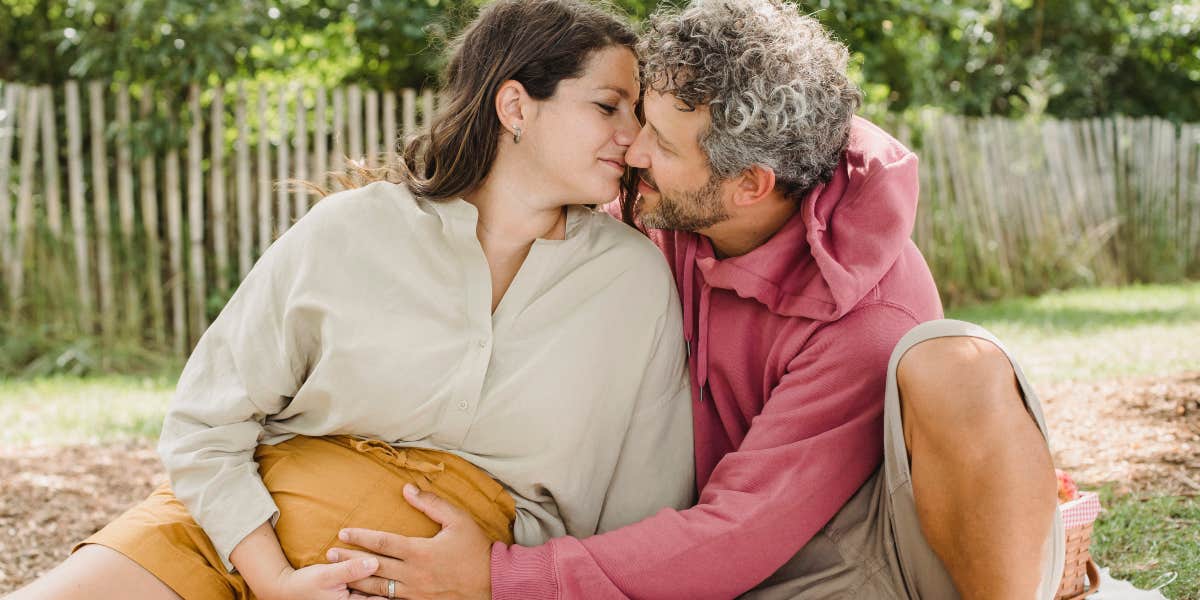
{"points": [[512, 106], [753, 185]]}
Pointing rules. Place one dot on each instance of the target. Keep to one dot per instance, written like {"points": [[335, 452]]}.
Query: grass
{"points": [[74, 410], [1082, 335], [54, 349], [1103, 333], [1145, 538]]}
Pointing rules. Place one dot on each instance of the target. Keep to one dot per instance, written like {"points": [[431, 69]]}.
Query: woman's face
{"points": [[579, 136]]}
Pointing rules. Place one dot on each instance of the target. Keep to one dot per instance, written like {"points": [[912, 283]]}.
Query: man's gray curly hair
{"points": [[774, 81]]}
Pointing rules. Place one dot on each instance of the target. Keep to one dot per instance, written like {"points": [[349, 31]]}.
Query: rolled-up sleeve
{"points": [[246, 367]]}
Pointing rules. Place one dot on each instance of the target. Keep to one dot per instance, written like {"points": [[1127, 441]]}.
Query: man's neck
{"points": [[743, 233]]}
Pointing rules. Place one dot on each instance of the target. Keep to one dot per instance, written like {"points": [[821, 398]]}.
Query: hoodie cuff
{"points": [[520, 573]]}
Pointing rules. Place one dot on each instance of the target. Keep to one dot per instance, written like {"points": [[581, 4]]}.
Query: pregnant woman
{"points": [[473, 328]]}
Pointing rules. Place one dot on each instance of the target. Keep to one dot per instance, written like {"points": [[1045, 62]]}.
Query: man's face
{"points": [[678, 189]]}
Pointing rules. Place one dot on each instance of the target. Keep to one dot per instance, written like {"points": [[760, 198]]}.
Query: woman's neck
{"points": [[511, 217], [512, 212]]}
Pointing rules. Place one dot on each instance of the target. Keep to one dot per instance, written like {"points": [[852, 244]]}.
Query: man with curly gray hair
{"points": [[773, 84], [848, 442]]}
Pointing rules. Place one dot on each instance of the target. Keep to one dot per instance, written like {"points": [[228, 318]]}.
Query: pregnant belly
{"points": [[324, 484]]}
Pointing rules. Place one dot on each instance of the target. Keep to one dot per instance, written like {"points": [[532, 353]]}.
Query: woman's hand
{"points": [[261, 562], [319, 582], [455, 564]]}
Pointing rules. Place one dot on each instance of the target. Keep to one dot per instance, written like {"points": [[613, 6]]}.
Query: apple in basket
{"points": [[1067, 490]]}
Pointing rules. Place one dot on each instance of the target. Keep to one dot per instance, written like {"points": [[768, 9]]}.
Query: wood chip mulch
{"points": [[1141, 435], [54, 496]]}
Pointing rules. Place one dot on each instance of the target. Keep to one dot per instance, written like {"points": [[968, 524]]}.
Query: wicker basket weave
{"points": [[1078, 516]]}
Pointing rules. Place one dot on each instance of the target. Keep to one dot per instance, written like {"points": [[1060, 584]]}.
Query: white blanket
{"points": [[1119, 589]]}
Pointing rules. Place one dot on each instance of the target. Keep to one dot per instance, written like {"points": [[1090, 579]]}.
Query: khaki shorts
{"points": [[873, 547], [320, 486]]}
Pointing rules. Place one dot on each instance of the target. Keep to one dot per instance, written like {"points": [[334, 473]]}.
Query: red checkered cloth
{"points": [[1080, 511]]}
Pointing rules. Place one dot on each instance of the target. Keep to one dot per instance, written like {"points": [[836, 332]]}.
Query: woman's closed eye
{"points": [[607, 108]]}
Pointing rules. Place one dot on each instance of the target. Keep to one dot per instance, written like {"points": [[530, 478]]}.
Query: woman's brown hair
{"points": [[534, 42]]}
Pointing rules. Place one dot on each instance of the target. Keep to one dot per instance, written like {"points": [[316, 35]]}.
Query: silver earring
{"points": [[516, 135]]}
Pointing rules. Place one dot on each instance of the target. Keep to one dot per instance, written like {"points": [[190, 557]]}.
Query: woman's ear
{"points": [[512, 106]]}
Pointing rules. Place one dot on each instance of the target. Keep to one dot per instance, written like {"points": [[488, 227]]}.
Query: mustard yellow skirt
{"points": [[320, 486]]}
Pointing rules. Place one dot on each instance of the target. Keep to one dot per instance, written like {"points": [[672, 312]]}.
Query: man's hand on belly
{"points": [[455, 564]]}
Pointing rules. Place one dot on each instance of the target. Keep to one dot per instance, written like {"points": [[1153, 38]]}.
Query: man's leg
{"points": [[982, 477]]}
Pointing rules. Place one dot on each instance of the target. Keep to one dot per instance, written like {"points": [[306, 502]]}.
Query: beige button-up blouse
{"points": [[372, 316]]}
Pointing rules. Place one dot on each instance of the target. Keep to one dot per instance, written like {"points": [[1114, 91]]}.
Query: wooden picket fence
{"points": [[1016, 207], [180, 245], [1007, 206]]}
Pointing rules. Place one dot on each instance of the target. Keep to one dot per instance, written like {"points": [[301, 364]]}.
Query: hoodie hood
{"points": [[846, 236]]}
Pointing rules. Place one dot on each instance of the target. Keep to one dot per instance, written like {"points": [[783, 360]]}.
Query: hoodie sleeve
{"points": [[819, 437]]}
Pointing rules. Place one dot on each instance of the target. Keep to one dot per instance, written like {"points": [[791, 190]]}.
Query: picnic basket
{"points": [[1078, 517]]}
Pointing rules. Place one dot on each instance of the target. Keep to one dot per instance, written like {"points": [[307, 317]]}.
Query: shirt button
{"points": [[483, 342], [462, 405]]}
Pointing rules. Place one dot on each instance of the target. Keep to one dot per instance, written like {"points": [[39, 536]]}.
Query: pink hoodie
{"points": [[789, 349]]}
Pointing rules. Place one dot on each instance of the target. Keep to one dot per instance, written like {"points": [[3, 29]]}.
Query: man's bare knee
{"points": [[954, 377], [953, 389]]}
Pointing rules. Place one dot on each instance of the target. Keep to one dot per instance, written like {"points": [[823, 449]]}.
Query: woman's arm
{"points": [[260, 560]]}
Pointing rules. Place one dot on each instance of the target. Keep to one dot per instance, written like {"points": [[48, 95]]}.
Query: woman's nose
{"points": [[627, 131], [635, 155]]}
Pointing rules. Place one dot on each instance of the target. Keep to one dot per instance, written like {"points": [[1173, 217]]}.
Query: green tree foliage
{"points": [[30, 31], [380, 42], [1070, 58]]}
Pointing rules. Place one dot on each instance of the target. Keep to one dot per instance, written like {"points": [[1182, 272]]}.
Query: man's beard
{"points": [[690, 210]]}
